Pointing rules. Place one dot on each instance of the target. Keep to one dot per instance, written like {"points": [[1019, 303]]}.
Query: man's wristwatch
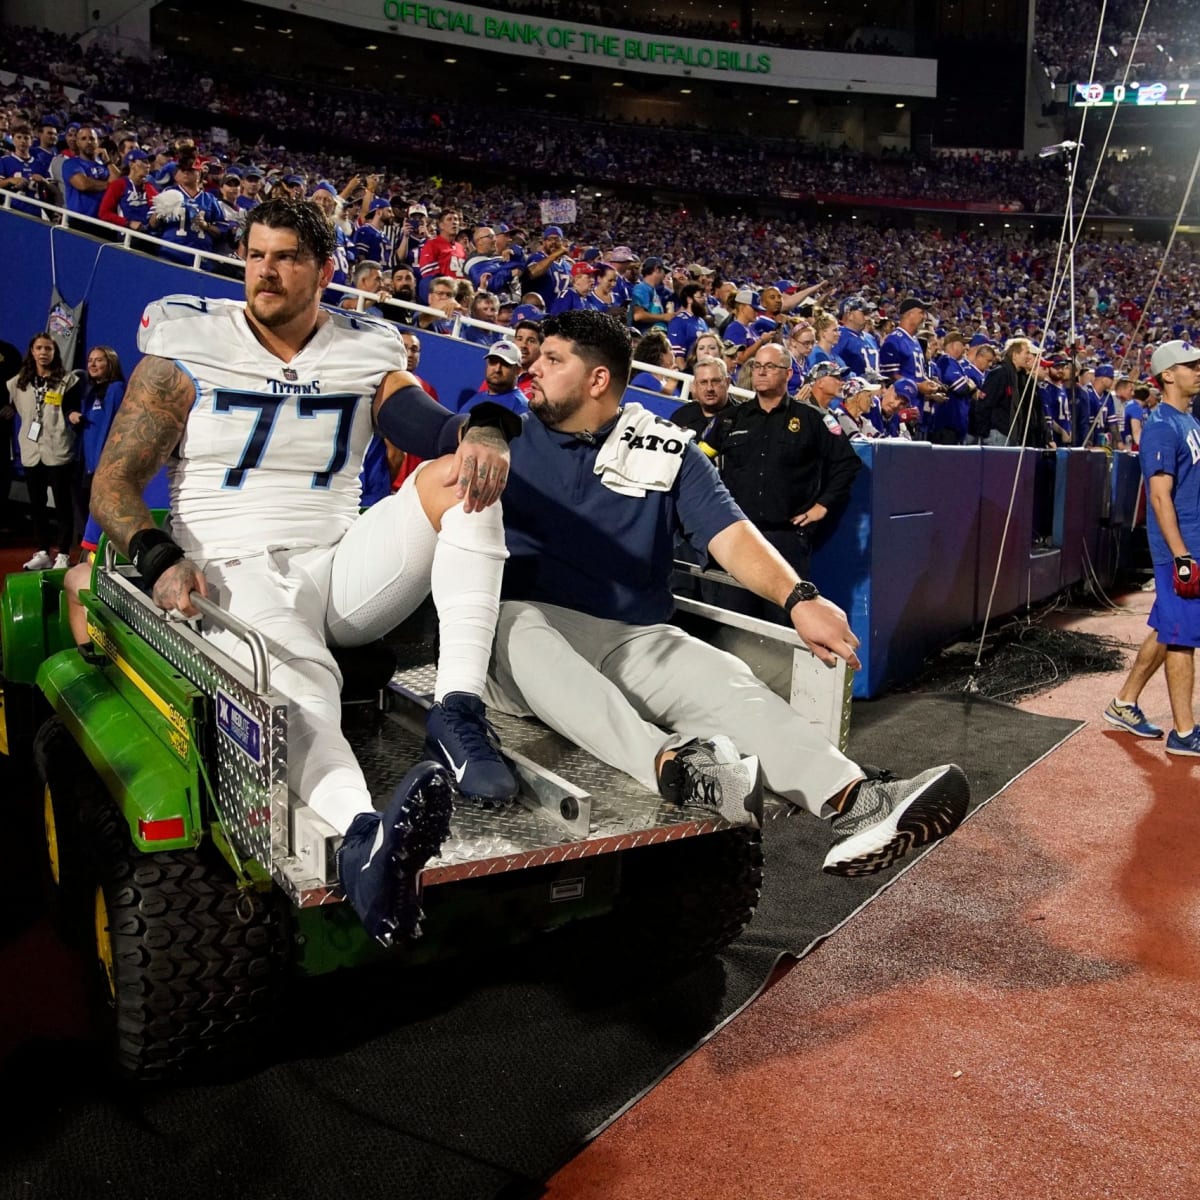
{"points": [[802, 591]]}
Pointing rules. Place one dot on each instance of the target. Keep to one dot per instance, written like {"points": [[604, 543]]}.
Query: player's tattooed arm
{"points": [[147, 427]]}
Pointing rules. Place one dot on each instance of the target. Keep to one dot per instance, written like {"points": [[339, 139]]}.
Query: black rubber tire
{"points": [[71, 787], [25, 711], [197, 964], [684, 901]]}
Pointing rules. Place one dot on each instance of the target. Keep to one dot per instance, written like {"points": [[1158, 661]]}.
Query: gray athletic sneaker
{"points": [[890, 817], [715, 776]]}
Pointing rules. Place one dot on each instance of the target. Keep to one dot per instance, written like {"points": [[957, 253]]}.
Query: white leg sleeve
{"points": [[468, 564]]}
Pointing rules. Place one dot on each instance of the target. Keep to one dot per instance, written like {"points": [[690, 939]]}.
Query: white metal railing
{"points": [[132, 239]]}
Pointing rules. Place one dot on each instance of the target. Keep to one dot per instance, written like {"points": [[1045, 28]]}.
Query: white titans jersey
{"points": [[272, 451]]}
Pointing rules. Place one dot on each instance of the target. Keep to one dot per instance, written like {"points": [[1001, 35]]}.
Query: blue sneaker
{"points": [[1131, 719], [458, 735], [382, 853], [1188, 744]]}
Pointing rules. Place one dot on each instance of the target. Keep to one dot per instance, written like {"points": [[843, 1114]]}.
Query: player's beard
{"points": [[552, 413], [286, 311]]}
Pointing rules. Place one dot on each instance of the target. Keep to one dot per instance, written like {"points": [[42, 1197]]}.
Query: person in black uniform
{"points": [[711, 388], [788, 465]]}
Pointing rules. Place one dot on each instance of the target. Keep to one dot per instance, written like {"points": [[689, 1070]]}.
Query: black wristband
{"points": [[152, 551], [487, 414]]}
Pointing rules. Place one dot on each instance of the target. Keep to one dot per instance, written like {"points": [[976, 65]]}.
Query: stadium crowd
{"points": [[719, 165], [1168, 48]]}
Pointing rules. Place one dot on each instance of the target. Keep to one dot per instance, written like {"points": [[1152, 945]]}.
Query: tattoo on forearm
{"points": [[147, 427]]}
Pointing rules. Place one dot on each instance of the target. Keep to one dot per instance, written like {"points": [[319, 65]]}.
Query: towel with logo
{"points": [[642, 453]]}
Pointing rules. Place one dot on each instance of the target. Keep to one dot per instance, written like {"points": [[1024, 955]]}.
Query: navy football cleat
{"points": [[382, 854], [458, 735]]}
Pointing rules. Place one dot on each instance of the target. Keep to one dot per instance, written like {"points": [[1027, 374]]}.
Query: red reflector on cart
{"points": [[161, 831]]}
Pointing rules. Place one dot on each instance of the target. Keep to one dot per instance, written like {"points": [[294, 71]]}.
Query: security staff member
{"points": [[787, 465]]}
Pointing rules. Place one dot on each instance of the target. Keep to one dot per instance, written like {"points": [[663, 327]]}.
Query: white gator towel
{"points": [[643, 453]]}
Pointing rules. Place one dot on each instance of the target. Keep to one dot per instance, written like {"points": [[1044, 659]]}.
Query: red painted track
{"points": [[1016, 1017]]}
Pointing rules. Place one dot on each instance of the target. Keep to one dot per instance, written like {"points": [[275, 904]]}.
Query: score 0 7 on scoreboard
{"points": [[1143, 95]]}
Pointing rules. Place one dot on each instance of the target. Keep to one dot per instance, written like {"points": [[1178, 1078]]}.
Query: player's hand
{"points": [[1187, 578], [823, 628], [74, 417], [480, 467], [174, 587], [810, 517]]}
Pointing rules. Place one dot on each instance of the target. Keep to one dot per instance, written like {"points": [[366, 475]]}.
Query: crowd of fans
{"points": [[1168, 47], [997, 284], [400, 128]]}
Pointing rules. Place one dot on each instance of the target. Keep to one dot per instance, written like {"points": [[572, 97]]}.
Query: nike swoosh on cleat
{"points": [[374, 848], [459, 772]]}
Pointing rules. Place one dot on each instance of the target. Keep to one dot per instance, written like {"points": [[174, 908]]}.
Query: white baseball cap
{"points": [[505, 351], [1171, 354]]}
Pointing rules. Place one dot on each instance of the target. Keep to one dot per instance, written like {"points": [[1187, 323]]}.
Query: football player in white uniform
{"points": [[262, 412]]}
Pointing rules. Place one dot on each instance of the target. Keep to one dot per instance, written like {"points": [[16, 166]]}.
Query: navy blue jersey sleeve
{"points": [[704, 506]]}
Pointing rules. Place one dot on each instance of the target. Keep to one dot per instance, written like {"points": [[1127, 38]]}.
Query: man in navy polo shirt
{"points": [[583, 640]]}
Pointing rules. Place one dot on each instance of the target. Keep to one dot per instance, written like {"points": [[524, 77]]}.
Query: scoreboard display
{"points": [[1149, 94]]}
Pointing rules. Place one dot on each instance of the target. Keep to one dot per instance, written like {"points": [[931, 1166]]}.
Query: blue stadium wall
{"points": [[914, 554]]}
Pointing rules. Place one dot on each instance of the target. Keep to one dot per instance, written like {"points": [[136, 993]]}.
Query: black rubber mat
{"points": [[475, 1081]]}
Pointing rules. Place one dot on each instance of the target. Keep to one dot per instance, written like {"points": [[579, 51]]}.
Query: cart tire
{"points": [[684, 901], [69, 788], [189, 966]]}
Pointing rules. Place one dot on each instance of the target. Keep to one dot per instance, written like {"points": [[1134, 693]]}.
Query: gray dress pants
{"points": [[626, 692]]}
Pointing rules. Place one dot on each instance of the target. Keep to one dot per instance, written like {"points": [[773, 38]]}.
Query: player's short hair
{"points": [[314, 233], [600, 339], [533, 326], [953, 336]]}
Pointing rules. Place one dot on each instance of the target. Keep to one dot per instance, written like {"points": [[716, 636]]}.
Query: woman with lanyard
{"points": [[100, 394], [43, 395]]}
